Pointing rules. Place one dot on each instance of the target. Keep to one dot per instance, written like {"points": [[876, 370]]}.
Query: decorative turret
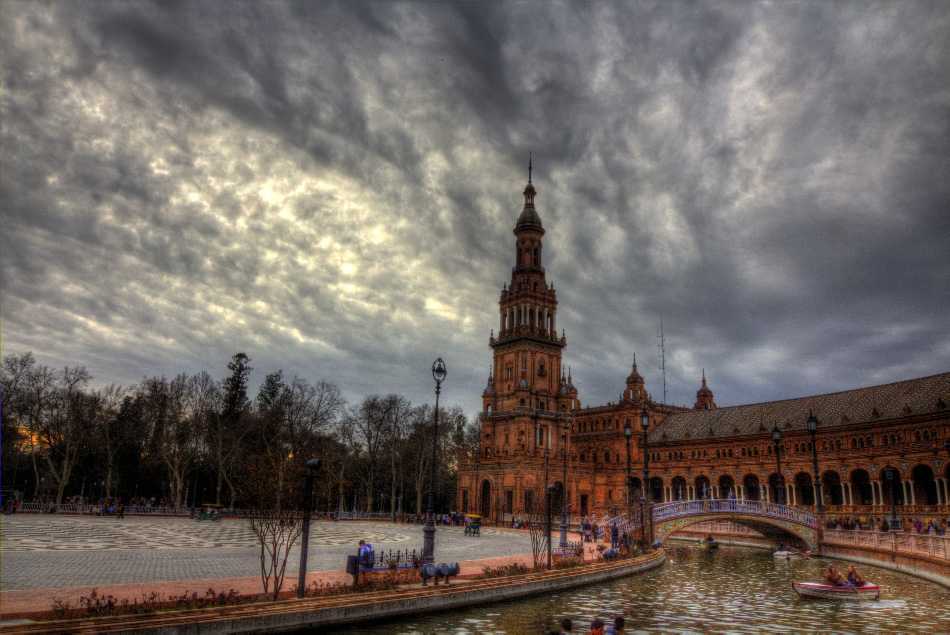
{"points": [[635, 386], [704, 396]]}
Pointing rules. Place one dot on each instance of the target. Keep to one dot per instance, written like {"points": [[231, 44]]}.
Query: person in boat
{"points": [[854, 578], [832, 577], [709, 538]]}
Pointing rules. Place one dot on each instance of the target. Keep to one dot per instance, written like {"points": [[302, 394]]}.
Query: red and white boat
{"points": [[815, 591]]}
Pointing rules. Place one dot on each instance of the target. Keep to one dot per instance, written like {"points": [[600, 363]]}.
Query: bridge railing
{"points": [[929, 545], [679, 509], [791, 513], [735, 506]]}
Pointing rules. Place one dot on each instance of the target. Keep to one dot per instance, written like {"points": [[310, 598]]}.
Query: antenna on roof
{"points": [[662, 347]]}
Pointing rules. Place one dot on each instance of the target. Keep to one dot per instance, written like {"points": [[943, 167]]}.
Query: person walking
{"points": [[614, 535]]}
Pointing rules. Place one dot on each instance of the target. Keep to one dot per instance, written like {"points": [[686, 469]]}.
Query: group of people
{"points": [[590, 531], [834, 578], [453, 519], [597, 626], [845, 523]]}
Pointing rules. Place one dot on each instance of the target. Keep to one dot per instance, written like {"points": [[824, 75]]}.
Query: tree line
{"points": [[193, 439]]}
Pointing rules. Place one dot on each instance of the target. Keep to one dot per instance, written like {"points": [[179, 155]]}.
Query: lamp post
{"points": [[780, 484], [549, 495], [312, 466], [628, 434], [889, 474], [645, 425], [812, 430], [478, 510], [563, 542], [547, 456], [428, 543]]}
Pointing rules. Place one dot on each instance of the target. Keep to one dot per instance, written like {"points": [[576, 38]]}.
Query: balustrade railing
{"points": [[678, 509], [929, 545]]}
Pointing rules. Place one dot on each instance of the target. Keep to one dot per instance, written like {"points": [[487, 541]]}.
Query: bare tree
{"points": [[63, 425], [108, 428], [370, 422], [271, 486]]}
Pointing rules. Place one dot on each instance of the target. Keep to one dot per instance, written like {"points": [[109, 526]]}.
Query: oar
{"points": [[851, 586]]}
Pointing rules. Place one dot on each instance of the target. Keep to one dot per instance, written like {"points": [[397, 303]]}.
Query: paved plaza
{"points": [[48, 552]]}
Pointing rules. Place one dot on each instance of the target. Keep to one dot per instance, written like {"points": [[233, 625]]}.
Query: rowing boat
{"points": [[785, 555], [709, 545], [815, 591]]}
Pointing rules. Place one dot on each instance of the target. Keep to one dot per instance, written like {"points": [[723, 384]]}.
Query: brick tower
{"points": [[528, 398]]}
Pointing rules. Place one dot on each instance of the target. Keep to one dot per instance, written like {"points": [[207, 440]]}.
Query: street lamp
{"points": [[780, 484], [628, 433], [889, 474], [312, 466], [563, 542], [549, 496], [812, 430], [645, 425], [477, 460], [428, 543]]}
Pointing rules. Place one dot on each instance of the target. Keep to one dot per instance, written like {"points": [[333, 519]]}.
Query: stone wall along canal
{"points": [[732, 589]]}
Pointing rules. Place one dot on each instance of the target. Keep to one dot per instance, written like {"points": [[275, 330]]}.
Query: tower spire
{"points": [[529, 167]]}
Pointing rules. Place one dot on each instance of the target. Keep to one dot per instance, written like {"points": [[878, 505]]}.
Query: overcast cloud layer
{"points": [[331, 187]]}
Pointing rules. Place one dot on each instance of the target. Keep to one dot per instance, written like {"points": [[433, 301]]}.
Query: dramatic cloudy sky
{"points": [[331, 187]]}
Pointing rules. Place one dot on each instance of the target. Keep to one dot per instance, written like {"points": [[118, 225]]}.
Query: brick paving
{"points": [[62, 557]]}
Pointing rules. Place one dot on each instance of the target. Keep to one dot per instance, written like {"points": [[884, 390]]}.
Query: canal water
{"points": [[729, 590]]}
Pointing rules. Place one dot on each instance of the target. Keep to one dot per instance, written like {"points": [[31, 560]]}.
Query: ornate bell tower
{"points": [[526, 400]]}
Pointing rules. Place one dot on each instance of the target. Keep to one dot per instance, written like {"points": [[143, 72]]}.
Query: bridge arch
{"points": [[778, 523]]}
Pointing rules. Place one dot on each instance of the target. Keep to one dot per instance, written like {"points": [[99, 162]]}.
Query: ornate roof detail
{"points": [[529, 218], [922, 395], [634, 377]]}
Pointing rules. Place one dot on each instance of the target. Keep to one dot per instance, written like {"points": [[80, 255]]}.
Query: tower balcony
{"points": [[525, 411], [527, 269], [520, 332]]}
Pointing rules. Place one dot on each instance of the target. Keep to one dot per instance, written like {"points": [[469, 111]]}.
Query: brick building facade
{"points": [[532, 412]]}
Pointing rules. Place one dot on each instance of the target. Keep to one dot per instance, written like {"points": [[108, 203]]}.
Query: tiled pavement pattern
{"points": [[64, 533], [43, 552]]}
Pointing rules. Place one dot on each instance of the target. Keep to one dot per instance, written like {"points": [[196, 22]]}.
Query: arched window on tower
{"points": [[535, 258]]}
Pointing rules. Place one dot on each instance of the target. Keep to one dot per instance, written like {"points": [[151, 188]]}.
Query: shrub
{"points": [[503, 571], [95, 605]]}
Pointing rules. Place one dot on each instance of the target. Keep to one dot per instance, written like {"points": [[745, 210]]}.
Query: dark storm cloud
{"points": [[331, 188]]}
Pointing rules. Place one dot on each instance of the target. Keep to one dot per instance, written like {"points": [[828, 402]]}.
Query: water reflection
{"points": [[731, 590]]}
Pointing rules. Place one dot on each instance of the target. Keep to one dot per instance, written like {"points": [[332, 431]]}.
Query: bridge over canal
{"points": [[778, 523]]}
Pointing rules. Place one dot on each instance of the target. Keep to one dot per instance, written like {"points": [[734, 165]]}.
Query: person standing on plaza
{"points": [[121, 510], [614, 535]]}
